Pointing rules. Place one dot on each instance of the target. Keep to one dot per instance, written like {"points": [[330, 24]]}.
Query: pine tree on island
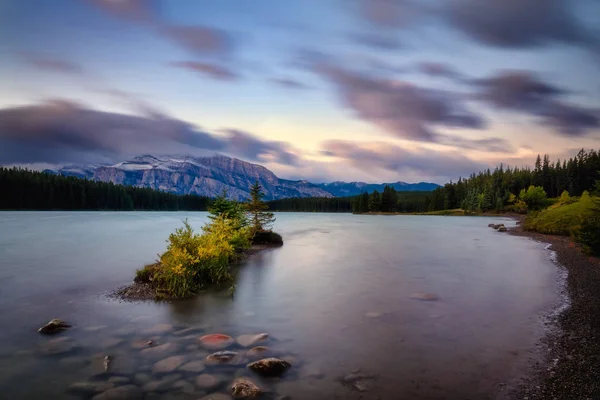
{"points": [[260, 218]]}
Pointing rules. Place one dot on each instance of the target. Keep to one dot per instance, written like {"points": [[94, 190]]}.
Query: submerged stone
{"points": [[169, 364], [424, 296], [158, 329], [127, 392], [216, 396], [216, 341], [243, 388], [269, 366], [251, 340], [54, 326], [207, 381], [225, 357], [193, 366]]}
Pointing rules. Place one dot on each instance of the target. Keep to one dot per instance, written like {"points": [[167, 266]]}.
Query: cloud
{"points": [[506, 24], [524, 92], [214, 71], [199, 39], [51, 63], [64, 132], [202, 40], [439, 70], [251, 147], [405, 110], [518, 23], [389, 157], [289, 83], [132, 10], [390, 13], [377, 40]]}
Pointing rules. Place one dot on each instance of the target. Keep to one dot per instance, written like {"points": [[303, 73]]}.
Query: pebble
{"points": [[168, 364]]}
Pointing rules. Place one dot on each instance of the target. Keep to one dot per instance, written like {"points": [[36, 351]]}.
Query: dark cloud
{"points": [[289, 83], [253, 148], [523, 91], [405, 110], [214, 71], [133, 10], [51, 63], [199, 39], [64, 132], [518, 23], [506, 23], [377, 40], [391, 13], [394, 158], [439, 70], [517, 90]]}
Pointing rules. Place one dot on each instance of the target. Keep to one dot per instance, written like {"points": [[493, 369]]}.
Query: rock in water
{"points": [[502, 229], [269, 366], [107, 360], [424, 296], [225, 357], [243, 388], [491, 225], [216, 341], [127, 392], [54, 326], [251, 340]]}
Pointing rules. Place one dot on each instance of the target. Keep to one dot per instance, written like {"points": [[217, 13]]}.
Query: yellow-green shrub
{"points": [[194, 260]]}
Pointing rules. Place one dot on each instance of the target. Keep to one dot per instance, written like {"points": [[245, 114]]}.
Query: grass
{"points": [[563, 219]]}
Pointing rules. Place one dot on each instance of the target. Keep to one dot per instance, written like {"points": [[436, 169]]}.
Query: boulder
{"points": [[243, 388], [269, 366], [159, 329], [424, 296], [56, 346], [252, 340], [257, 352], [225, 357], [193, 366], [90, 387], [216, 396], [491, 225], [216, 341], [502, 229], [157, 351], [54, 326], [127, 392], [207, 381], [169, 364]]}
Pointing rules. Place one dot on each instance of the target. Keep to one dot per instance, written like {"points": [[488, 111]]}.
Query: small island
{"points": [[194, 261]]}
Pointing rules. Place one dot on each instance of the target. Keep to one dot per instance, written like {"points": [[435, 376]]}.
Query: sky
{"points": [[324, 90]]}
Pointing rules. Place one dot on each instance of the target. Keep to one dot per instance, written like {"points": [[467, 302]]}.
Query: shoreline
{"points": [[142, 291], [570, 365]]}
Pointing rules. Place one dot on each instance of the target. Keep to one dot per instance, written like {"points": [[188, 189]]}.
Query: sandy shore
{"points": [[572, 366]]}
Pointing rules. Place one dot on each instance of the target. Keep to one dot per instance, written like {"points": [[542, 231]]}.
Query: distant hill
{"points": [[344, 189], [209, 176]]}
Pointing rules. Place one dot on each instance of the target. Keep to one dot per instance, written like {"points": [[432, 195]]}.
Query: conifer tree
{"points": [[260, 218]]}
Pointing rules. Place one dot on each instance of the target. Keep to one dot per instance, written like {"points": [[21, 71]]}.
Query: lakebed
{"points": [[346, 301]]}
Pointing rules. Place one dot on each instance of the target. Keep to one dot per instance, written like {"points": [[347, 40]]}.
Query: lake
{"points": [[336, 299]]}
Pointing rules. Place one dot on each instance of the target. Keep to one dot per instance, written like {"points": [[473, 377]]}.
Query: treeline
{"points": [[22, 189], [493, 190], [313, 204], [392, 201]]}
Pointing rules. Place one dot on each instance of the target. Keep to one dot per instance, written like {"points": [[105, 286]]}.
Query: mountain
{"points": [[207, 176], [343, 189]]}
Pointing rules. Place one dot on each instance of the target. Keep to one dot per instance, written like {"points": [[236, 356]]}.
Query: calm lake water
{"points": [[335, 298]]}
